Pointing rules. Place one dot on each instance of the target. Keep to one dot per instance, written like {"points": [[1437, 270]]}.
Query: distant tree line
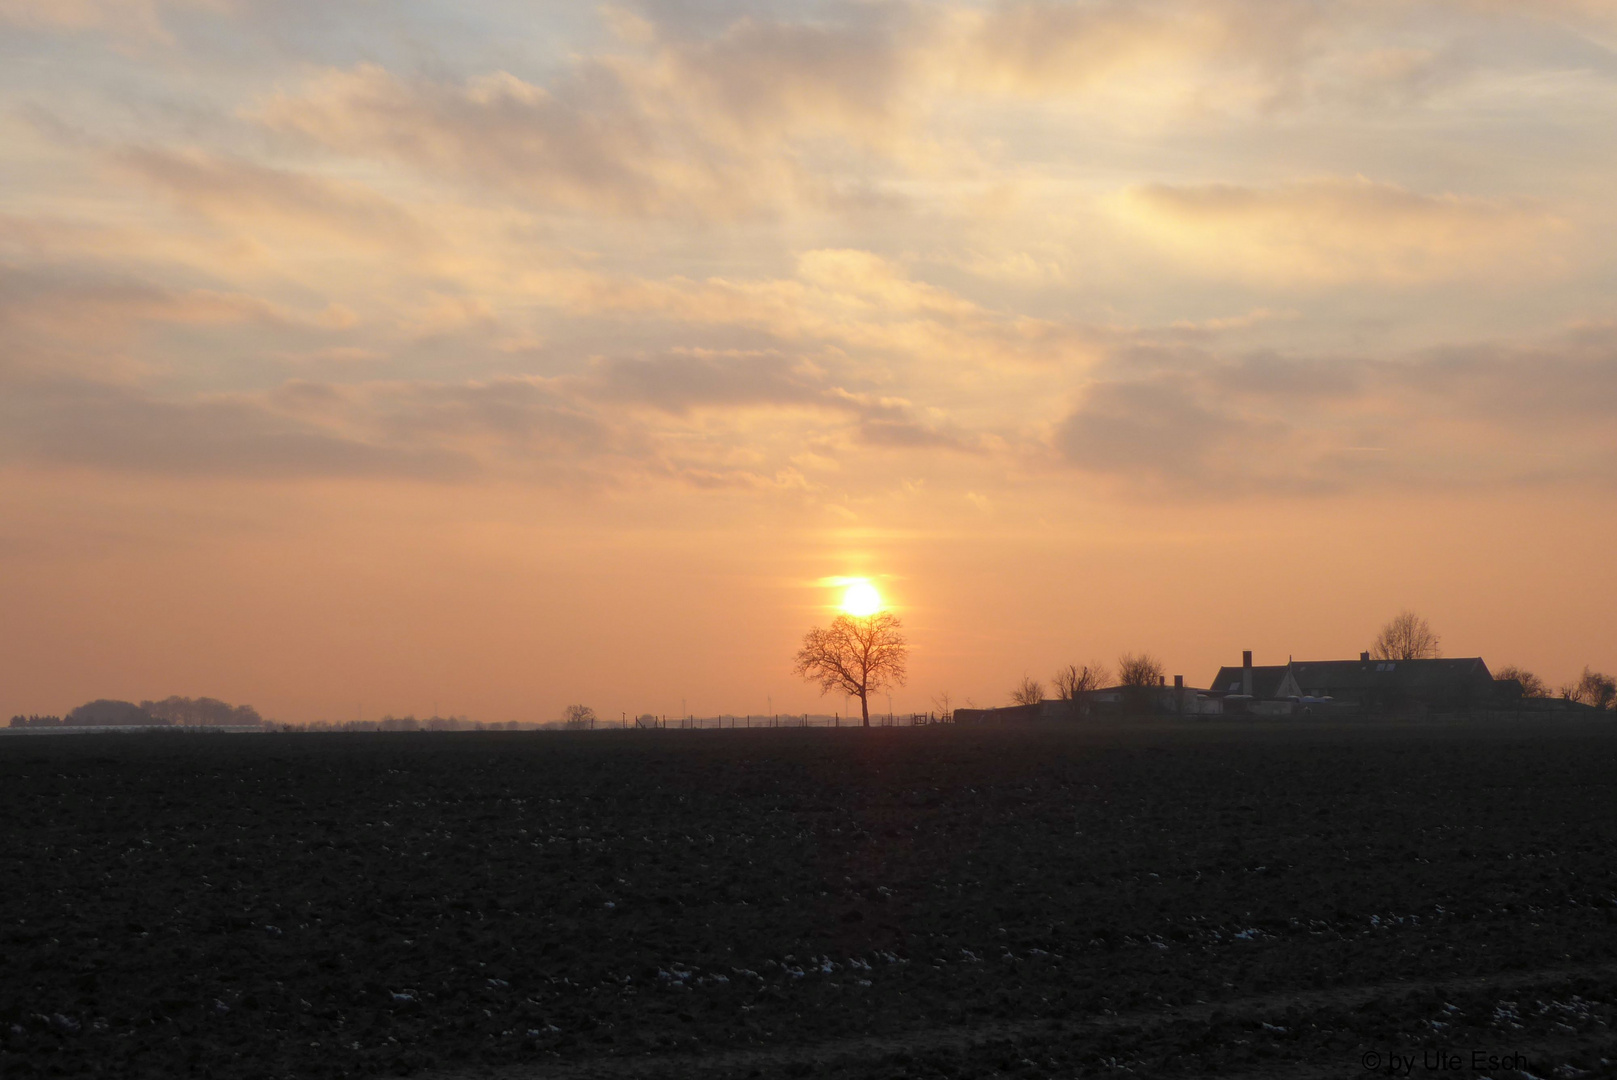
{"points": [[102, 712], [170, 712], [35, 720], [201, 712]]}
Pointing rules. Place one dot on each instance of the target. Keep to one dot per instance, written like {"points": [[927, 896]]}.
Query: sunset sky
{"points": [[490, 357]]}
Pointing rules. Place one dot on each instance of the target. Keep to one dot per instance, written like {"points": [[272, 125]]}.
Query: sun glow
{"points": [[861, 599]]}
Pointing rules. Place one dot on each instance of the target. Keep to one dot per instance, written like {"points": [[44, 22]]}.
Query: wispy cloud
{"points": [[1336, 229]]}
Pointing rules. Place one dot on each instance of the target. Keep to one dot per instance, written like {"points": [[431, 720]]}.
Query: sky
{"points": [[483, 358]]}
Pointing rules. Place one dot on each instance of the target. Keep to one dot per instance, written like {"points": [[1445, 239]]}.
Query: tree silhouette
{"points": [[1141, 670], [578, 716], [1406, 637], [856, 655], [1592, 688], [1532, 685], [1074, 683], [1027, 692]]}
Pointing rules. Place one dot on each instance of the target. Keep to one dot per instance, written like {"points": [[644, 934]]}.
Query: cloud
{"points": [[77, 321], [505, 423], [270, 201], [402, 430], [678, 383], [133, 18], [911, 435], [854, 301], [1036, 47], [752, 118], [862, 109], [680, 418], [1456, 417], [624, 260], [764, 77], [1340, 230], [1162, 432], [590, 142], [118, 429]]}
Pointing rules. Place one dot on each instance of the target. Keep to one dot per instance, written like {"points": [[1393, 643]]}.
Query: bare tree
{"points": [[944, 703], [1027, 692], [1592, 688], [1139, 670], [1074, 683], [856, 655], [1406, 637], [578, 716], [1532, 685]]}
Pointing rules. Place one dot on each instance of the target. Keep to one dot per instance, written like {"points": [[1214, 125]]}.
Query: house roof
{"points": [[1397, 676], [1266, 680]]}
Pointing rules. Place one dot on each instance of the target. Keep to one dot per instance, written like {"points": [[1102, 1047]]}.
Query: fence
{"points": [[742, 722]]}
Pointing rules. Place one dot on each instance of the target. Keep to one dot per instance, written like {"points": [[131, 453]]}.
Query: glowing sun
{"points": [[861, 599]]}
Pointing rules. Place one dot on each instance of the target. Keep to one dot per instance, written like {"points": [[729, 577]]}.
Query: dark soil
{"points": [[1163, 900]]}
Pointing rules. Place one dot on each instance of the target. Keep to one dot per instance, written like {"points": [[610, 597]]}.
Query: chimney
{"points": [[1246, 673], [1178, 682], [1364, 658]]}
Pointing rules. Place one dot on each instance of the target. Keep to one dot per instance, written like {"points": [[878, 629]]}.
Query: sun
{"points": [[861, 598]]}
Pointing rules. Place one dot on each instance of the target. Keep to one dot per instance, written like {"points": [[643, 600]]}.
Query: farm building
{"points": [[1271, 682], [1296, 688], [1175, 700], [1439, 685], [1453, 685]]}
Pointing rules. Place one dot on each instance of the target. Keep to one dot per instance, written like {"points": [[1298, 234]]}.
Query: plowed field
{"points": [[1151, 899]]}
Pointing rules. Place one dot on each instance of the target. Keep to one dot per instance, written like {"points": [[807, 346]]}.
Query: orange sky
{"points": [[496, 357]]}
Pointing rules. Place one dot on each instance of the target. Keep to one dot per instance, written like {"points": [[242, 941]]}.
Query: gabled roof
{"points": [[1336, 677], [1266, 680]]}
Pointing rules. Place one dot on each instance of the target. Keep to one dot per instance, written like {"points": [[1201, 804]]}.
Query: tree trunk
{"points": [[864, 708]]}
